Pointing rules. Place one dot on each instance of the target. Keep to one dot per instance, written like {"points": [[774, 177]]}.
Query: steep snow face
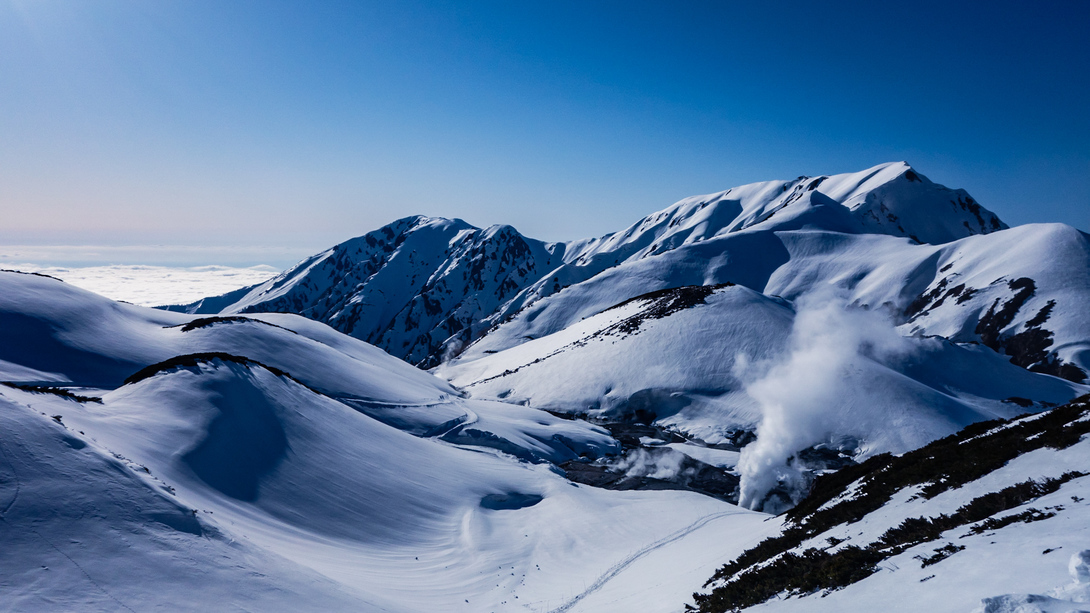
{"points": [[423, 289], [413, 288], [1021, 292], [895, 199]]}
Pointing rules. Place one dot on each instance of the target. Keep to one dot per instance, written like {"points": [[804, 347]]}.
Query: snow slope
{"points": [[271, 445], [224, 485], [52, 332], [276, 464], [678, 358], [961, 290], [999, 538]]}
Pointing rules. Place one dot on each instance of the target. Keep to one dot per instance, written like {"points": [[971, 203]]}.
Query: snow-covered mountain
{"points": [[687, 359], [924, 306], [414, 287], [424, 288], [527, 322]]}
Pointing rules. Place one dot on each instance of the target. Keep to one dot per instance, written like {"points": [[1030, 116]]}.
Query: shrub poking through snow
{"points": [[56, 391]]}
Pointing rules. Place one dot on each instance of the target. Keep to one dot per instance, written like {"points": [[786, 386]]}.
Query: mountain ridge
{"points": [[423, 288]]}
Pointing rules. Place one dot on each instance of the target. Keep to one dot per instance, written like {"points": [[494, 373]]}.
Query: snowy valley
{"points": [[802, 395]]}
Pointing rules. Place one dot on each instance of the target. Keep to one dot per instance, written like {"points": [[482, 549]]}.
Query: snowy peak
{"points": [[886, 199], [414, 287], [423, 288], [895, 199]]}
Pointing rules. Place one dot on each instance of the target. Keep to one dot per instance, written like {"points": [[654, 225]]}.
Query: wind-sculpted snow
{"points": [[84, 529], [234, 486], [53, 332]]}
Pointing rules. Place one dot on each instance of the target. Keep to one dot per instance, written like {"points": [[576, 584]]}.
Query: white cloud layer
{"points": [[155, 285]]}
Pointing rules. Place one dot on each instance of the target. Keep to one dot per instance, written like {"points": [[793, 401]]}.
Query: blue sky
{"points": [[295, 125]]}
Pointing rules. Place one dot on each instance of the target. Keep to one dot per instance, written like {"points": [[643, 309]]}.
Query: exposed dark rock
{"points": [[1000, 316], [690, 475], [204, 322], [196, 359], [509, 502]]}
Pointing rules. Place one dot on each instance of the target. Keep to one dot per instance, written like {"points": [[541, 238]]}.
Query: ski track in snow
{"points": [[619, 567], [468, 419], [15, 497], [14, 478]]}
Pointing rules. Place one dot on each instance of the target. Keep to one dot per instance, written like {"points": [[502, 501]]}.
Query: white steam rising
{"points": [[816, 388], [665, 464]]}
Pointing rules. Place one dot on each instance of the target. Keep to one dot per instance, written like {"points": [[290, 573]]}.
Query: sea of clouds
{"points": [[155, 285]]}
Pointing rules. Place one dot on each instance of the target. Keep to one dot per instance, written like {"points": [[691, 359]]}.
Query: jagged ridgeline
{"points": [[426, 289], [813, 553]]}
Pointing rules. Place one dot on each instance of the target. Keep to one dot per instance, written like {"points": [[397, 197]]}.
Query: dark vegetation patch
{"points": [[1025, 517], [941, 554], [204, 322], [36, 274], [1030, 347], [662, 303], [1042, 315], [1000, 316], [942, 465], [813, 569], [56, 391], [917, 530], [937, 296], [196, 359]]}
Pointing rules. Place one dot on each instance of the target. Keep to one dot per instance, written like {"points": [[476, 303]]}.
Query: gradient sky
{"points": [[290, 126]]}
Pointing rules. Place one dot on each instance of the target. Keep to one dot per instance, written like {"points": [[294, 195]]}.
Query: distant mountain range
{"points": [[426, 289], [805, 395]]}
